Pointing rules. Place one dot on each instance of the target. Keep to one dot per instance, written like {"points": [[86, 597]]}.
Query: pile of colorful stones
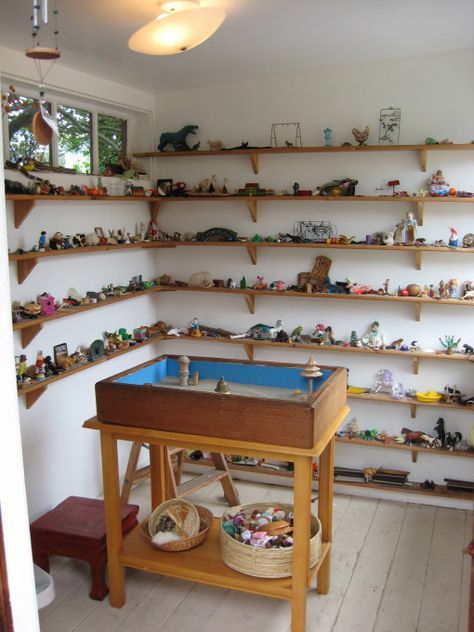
{"points": [[267, 529]]}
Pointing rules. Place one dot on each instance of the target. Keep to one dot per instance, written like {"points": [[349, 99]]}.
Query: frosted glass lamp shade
{"points": [[177, 32]]}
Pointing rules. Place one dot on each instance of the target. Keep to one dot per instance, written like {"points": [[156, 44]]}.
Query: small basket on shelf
{"points": [[270, 563], [192, 525]]}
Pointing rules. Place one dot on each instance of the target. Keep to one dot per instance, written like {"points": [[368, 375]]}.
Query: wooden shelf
{"points": [[33, 391], [30, 328], [24, 204], [27, 261], [410, 448], [250, 345], [254, 154], [253, 246], [413, 488], [413, 403], [251, 296], [254, 200]]}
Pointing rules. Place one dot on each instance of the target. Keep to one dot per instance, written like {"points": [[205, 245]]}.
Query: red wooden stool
{"points": [[76, 528]]}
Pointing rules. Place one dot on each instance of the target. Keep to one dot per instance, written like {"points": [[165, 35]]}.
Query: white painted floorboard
{"points": [[396, 567]]}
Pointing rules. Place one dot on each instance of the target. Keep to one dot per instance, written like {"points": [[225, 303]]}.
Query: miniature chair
{"points": [[177, 489], [76, 528]]}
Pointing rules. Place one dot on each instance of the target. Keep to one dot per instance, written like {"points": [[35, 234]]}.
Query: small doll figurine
{"points": [[40, 369], [374, 338], [453, 238], [42, 241], [438, 185], [194, 330], [410, 228], [453, 285]]}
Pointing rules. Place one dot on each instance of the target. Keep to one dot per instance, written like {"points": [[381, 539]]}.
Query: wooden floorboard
{"points": [[406, 580], [396, 567], [440, 604]]}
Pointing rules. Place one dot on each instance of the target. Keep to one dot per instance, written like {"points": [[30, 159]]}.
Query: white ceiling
{"points": [[258, 38]]}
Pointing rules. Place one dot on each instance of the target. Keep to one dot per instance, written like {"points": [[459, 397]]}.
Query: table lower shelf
{"points": [[204, 565]]}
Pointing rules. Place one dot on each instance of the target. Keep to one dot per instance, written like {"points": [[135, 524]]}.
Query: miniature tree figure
{"points": [[450, 344]]}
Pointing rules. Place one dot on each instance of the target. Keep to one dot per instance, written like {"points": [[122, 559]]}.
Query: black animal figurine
{"points": [[452, 439], [467, 349], [177, 139], [440, 431]]}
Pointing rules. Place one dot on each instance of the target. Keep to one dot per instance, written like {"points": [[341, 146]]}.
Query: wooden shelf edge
{"points": [[408, 448], [375, 397]]}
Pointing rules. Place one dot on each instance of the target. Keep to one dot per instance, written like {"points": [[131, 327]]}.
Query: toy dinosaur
{"points": [[177, 139]]}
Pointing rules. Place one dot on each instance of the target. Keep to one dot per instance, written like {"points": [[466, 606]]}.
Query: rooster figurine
{"points": [[361, 137]]}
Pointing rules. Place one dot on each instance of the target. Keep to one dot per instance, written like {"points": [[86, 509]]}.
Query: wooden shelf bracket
{"points": [[414, 456], [420, 211], [33, 396], [413, 411], [21, 210], [24, 268], [252, 252], [250, 300], [252, 206], [423, 159], [154, 209], [415, 362], [418, 259], [249, 349], [254, 160], [417, 312], [28, 333]]}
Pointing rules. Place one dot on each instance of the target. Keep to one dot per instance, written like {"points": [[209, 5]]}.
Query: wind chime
{"points": [[43, 124]]}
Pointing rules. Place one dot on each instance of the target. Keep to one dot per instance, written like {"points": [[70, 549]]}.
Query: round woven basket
{"points": [[181, 511], [271, 563], [184, 544]]}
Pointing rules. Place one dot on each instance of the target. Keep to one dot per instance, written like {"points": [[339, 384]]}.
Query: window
{"points": [[20, 137], [88, 139], [112, 132], [74, 138]]}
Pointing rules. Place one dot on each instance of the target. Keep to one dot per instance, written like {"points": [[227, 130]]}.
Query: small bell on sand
{"points": [[222, 387]]}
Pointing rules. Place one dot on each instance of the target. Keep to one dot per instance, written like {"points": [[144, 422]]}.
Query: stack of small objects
{"points": [[263, 530]]}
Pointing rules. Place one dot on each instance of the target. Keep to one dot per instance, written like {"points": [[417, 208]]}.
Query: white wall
{"points": [[339, 98]]}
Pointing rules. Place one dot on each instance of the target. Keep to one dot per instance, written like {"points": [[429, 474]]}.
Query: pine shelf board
{"points": [[408, 448], [316, 198], [379, 398]]}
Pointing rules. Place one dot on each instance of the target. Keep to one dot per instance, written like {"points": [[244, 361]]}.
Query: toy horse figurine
{"points": [[440, 431], [385, 383]]}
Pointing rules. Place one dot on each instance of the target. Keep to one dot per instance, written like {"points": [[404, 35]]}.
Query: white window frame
{"points": [[55, 99]]}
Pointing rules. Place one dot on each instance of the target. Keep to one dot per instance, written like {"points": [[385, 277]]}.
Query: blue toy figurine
{"points": [[42, 241], [327, 137]]}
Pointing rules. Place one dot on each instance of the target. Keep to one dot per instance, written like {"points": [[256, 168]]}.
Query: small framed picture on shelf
{"points": [[99, 232], [164, 186], [60, 353]]}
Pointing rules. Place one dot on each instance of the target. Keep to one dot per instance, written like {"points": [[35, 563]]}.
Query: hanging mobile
{"points": [[43, 124]]}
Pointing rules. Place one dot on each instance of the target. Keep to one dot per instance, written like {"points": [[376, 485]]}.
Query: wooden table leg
{"points": [[326, 486], [158, 474], [130, 471], [302, 535], [230, 491], [113, 519]]}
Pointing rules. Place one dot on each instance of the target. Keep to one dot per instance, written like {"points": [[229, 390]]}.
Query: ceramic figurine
{"points": [[354, 341], [274, 331], [386, 286], [453, 240], [410, 228], [438, 186], [398, 234], [329, 338], [231, 284], [374, 338], [39, 367], [296, 334], [194, 330], [327, 137], [178, 140], [42, 241], [277, 286], [453, 285], [47, 304], [260, 285], [443, 289], [389, 239], [21, 369], [243, 283], [361, 137], [318, 334]]}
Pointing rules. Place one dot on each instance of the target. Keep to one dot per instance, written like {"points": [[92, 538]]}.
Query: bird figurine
{"points": [[361, 137], [296, 334]]}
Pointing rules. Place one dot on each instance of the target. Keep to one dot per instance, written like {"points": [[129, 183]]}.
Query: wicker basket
{"points": [[182, 512], [184, 544], [271, 563]]}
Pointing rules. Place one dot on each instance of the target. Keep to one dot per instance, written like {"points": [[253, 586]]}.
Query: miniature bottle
{"points": [[183, 372]]}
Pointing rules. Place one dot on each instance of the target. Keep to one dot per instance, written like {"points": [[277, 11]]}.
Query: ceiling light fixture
{"points": [[183, 25]]}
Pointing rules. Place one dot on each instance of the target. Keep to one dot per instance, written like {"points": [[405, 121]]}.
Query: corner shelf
{"points": [[413, 403], [252, 247], [251, 295], [254, 154], [24, 204]]}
